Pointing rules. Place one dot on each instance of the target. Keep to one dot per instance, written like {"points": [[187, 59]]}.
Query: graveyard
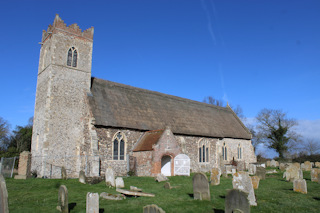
{"points": [[274, 194]]}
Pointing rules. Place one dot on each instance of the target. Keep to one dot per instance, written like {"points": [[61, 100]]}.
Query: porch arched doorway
{"points": [[166, 165]]}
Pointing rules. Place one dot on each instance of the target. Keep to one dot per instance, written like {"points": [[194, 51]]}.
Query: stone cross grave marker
{"points": [[182, 165], [261, 173], [241, 180], [92, 203], [63, 199], [215, 176], [201, 190], [152, 209], [110, 177], [237, 201], [3, 196], [63, 173], [82, 177]]}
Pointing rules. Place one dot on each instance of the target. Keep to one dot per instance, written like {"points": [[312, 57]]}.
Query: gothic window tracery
{"points": [[203, 151], [118, 146], [72, 58]]}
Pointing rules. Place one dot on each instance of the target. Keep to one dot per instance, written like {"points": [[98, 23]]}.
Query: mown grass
{"points": [[273, 195]]}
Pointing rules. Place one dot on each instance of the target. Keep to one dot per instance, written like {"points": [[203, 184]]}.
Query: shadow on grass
{"points": [[101, 210], [222, 196], [218, 210], [71, 206], [316, 198], [190, 195]]}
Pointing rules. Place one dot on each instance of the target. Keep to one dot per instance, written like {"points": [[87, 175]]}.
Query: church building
{"points": [[90, 124]]}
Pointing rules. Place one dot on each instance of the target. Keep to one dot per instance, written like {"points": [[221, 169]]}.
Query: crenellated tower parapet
{"points": [[73, 29]]}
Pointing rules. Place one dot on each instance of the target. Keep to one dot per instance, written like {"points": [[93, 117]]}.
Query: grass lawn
{"points": [[273, 195]]}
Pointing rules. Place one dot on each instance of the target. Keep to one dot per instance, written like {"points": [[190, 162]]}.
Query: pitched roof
{"points": [[118, 105], [148, 140]]}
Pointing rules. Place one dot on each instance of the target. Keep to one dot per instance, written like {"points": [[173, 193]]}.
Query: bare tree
{"points": [[213, 101], [276, 130], [311, 146]]}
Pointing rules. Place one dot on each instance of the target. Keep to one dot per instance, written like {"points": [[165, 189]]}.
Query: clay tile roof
{"points": [[147, 141], [122, 106]]}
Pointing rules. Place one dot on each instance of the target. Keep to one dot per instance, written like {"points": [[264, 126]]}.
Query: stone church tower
{"points": [[61, 117]]}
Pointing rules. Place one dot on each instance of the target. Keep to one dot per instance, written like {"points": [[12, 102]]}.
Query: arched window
{"points": [[72, 57], [239, 152], [118, 151], [224, 152], [203, 151]]}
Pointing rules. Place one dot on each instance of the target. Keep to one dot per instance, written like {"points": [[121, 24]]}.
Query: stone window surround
{"points": [[239, 149], [203, 142], [125, 146], [73, 49], [224, 151]]}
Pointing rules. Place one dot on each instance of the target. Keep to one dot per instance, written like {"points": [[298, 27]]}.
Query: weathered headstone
{"points": [[296, 164], [274, 163], [108, 196], [237, 201], [82, 177], [252, 169], [63, 204], [255, 181], [242, 181], [241, 166], [64, 173], [161, 177], [314, 174], [307, 166], [3, 196], [24, 168], [92, 203], [283, 166], [153, 209], [201, 190], [292, 173], [317, 164], [136, 189], [215, 176], [268, 163], [261, 173], [167, 185], [110, 177], [300, 186], [119, 182]]}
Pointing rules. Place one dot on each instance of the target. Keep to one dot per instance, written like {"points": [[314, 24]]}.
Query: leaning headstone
{"points": [[317, 164], [3, 196], [261, 173], [215, 176], [63, 204], [268, 163], [255, 181], [300, 186], [292, 173], [307, 166], [237, 201], [24, 168], [63, 173], [110, 177], [119, 182], [82, 177], [92, 203], [152, 209], [242, 181], [201, 190], [160, 177], [314, 174]]}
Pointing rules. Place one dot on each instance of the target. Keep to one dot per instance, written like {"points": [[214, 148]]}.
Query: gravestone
{"points": [[274, 163], [3, 196], [317, 164], [24, 168], [132, 165], [261, 173], [161, 177], [109, 176], [268, 163], [241, 166], [237, 201], [283, 166], [201, 190], [119, 182], [82, 177], [300, 186], [302, 166], [167, 185], [296, 165], [241, 180], [252, 169], [136, 189], [314, 174], [153, 209], [182, 165], [307, 166], [63, 204], [255, 181], [63, 173], [292, 173], [92, 203], [215, 176]]}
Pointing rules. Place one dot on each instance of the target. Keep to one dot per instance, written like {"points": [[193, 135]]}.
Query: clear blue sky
{"points": [[256, 54]]}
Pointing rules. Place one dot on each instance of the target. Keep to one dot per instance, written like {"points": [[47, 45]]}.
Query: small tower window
{"points": [[72, 57]]}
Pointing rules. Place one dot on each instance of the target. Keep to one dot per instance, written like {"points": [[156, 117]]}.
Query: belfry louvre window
{"points": [[203, 151], [118, 146], [72, 57]]}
